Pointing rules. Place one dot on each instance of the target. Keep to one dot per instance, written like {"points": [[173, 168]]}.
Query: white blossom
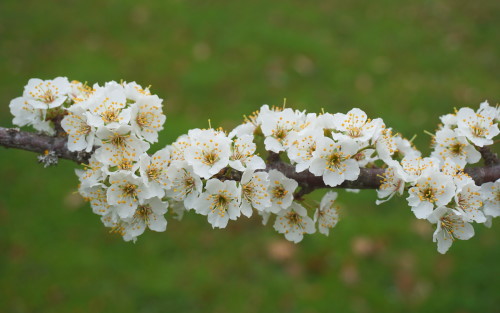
{"points": [[243, 154], [277, 126], [220, 202], [450, 145], [450, 226], [432, 190], [126, 192], [333, 161], [469, 202], [405, 147], [486, 109], [254, 192], [79, 92], [147, 117], [149, 214], [391, 184], [281, 190], [185, 185], [302, 146], [327, 214], [479, 128], [47, 94], [456, 173], [25, 114], [81, 135], [209, 151], [355, 125], [107, 107], [294, 223], [153, 171], [118, 145], [386, 145]]}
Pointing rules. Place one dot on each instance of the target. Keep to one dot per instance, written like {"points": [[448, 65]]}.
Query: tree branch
{"points": [[40, 143], [369, 178]]}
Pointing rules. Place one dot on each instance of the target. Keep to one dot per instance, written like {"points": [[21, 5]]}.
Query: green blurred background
{"points": [[407, 62]]}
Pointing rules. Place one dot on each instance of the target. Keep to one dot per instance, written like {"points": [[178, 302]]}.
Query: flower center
{"points": [[220, 203], [294, 218], [144, 119], [428, 194], [279, 192], [335, 159], [478, 130], [119, 141], [210, 158], [130, 190], [143, 212], [153, 173], [110, 115], [457, 148], [48, 96], [125, 164]]}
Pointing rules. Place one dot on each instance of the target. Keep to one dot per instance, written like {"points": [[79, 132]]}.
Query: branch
{"points": [[369, 178], [40, 143]]}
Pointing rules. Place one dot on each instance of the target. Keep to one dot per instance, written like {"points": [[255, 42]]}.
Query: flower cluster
{"points": [[439, 189], [42, 101], [221, 175]]}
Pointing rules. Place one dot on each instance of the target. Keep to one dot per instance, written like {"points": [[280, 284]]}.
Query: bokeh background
{"points": [[405, 61]]}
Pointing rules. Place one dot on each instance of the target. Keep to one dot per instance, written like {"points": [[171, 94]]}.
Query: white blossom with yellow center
{"points": [[277, 127], [355, 125], [220, 202], [149, 214], [450, 226], [302, 146], [448, 144], [254, 192], [184, 184], [147, 117], [293, 222], [153, 171], [391, 184], [25, 114], [281, 190], [243, 155], [209, 151], [119, 145], [107, 106], [479, 128], [126, 192], [432, 190], [81, 135], [47, 94], [469, 202], [333, 160]]}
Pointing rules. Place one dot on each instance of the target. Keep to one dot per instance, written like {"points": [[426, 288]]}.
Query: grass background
{"points": [[407, 62]]}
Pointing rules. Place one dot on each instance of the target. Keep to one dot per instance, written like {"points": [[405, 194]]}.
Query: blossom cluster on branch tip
{"points": [[222, 176]]}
